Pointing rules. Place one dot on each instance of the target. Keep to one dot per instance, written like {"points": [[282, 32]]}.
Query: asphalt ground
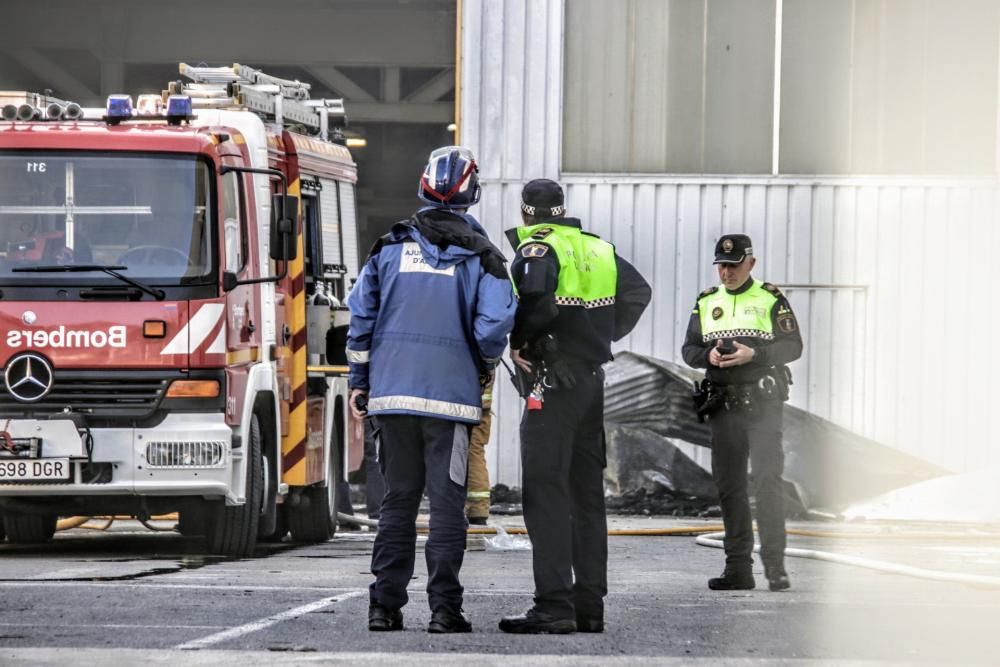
{"points": [[127, 595]]}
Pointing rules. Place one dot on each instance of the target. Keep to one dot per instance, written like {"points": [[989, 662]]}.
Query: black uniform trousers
{"points": [[737, 436], [414, 451], [563, 458]]}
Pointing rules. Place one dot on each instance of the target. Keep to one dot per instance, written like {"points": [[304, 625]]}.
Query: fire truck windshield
{"points": [[148, 213]]}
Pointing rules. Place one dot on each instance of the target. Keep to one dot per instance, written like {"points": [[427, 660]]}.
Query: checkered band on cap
{"points": [[577, 301], [541, 212]]}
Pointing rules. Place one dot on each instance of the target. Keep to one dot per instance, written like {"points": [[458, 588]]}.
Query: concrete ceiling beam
{"points": [[336, 80], [434, 89], [321, 37], [390, 84], [63, 84], [402, 112]]}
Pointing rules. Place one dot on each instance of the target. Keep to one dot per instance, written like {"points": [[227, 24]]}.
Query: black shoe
{"points": [[537, 623], [477, 520], [444, 621], [733, 579], [777, 578], [589, 624], [381, 619]]}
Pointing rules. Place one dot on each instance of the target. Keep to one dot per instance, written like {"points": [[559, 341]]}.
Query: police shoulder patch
{"points": [[541, 233], [534, 250], [710, 290], [787, 323], [771, 288]]}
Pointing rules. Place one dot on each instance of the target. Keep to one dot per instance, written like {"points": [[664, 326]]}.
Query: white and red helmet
{"points": [[451, 178]]}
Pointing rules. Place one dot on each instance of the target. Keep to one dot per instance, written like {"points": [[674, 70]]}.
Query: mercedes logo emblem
{"points": [[29, 317], [28, 377]]}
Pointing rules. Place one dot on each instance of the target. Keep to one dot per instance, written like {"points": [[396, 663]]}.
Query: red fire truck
{"points": [[168, 275]]}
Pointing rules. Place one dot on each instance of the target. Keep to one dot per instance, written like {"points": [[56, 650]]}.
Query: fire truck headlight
{"points": [[119, 107], [193, 389]]}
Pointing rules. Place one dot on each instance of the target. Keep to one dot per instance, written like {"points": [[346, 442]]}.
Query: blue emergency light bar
{"points": [[179, 108], [119, 108]]}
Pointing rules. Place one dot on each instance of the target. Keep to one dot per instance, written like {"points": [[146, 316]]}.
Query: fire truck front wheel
{"points": [[233, 530], [29, 528], [314, 517]]}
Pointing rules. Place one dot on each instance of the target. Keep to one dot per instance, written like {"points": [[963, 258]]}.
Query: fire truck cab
{"points": [[169, 273]]}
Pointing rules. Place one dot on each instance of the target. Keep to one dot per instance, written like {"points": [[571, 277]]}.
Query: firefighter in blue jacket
{"points": [[430, 316]]}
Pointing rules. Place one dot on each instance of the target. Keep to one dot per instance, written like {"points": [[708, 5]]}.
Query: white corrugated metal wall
{"points": [[890, 275]]}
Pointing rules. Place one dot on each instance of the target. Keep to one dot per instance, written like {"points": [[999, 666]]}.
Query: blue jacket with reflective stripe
{"points": [[426, 321]]}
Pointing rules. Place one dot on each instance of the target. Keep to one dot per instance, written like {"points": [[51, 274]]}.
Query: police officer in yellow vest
{"points": [[744, 332], [575, 296]]}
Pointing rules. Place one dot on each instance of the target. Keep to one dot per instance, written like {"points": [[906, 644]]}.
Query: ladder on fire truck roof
{"points": [[278, 100]]}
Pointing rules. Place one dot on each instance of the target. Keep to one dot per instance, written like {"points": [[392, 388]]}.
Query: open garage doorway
{"points": [[392, 61]]}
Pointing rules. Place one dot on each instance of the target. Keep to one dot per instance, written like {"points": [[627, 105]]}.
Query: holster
{"points": [[707, 399]]}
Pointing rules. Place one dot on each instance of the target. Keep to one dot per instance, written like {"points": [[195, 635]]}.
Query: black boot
{"points": [[589, 624], [381, 619], [777, 578], [733, 579], [444, 621], [537, 623]]}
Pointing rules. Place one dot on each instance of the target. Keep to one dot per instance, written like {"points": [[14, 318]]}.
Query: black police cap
{"points": [[733, 249], [542, 198]]}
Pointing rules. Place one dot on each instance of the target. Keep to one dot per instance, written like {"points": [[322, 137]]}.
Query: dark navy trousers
{"points": [[417, 453]]}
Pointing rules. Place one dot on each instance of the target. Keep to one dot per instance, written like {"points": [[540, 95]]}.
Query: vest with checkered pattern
{"points": [[748, 314], [588, 273]]}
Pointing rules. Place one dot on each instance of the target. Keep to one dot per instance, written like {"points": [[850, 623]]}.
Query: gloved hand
{"points": [[485, 379]]}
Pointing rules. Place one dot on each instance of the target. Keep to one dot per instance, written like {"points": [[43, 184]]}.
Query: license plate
{"points": [[33, 469]]}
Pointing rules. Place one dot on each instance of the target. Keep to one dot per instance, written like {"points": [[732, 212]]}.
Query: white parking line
{"points": [[262, 623], [199, 587], [116, 626]]}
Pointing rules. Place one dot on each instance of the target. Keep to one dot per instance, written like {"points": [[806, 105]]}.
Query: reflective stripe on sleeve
{"points": [[357, 356]]}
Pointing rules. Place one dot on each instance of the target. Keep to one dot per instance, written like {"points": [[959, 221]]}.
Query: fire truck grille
{"points": [[101, 394]]}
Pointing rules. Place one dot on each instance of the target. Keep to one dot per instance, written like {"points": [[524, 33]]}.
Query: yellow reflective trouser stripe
{"points": [[478, 494]]}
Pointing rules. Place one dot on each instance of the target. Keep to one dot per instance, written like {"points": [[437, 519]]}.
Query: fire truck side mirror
{"points": [[229, 281], [284, 214]]}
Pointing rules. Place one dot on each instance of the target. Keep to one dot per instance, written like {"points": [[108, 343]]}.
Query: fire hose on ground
{"points": [[82, 521], [710, 536], [715, 540]]}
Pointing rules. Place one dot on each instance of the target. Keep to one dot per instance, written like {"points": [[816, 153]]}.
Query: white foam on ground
{"points": [[972, 497]]}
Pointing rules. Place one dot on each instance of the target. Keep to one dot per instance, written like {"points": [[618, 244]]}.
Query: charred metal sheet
{"points": [[830, 466], [655, 395]]}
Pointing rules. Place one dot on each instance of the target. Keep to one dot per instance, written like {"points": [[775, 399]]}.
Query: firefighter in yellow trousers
{"points": [[477, 503]]}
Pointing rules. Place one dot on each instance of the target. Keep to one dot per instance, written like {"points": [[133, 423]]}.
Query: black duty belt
{"points": [[710, 398]]}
